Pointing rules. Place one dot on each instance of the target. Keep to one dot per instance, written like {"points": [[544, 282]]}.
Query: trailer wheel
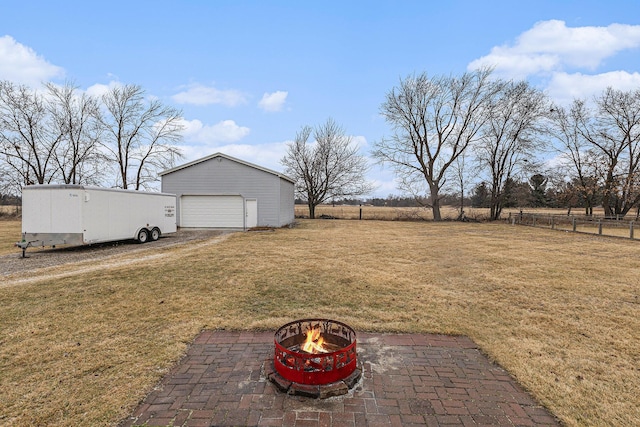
{"points": [[155, 234], [143, 235]]}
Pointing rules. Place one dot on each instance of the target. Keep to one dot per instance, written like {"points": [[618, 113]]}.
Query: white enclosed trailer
{"points": [[80, 215]]}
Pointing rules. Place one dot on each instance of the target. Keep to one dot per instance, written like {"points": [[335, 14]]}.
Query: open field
{"points": [[9, 210], [378, 212], [614, 228], [544, 217], [404, 213], [560, 311]]}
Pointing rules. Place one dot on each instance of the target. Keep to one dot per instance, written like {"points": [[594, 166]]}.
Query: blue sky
{"points": [[248, 75]]}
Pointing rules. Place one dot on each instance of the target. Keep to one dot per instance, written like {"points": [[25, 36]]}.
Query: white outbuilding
{"points": [[220, 191]]}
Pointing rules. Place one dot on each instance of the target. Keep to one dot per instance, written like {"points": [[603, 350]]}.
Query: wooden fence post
{"points": [[600, 226], [631, 230], [574, 223]]}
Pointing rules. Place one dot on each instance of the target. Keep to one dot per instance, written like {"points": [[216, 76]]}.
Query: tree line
{"points": [[61, 135], [474, 132], [456, 134], [539, 191]]}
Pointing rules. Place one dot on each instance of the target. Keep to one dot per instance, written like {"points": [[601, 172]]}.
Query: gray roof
{"points": [[233, 159]]}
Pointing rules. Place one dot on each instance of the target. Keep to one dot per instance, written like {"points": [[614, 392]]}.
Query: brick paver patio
{"points": [[408, 380]]}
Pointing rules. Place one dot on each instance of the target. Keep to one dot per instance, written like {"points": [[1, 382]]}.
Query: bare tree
{"points": [[434, 122], [462, 180], [577, 153], [10, 182], [139, 135], [561, 193], [510, 138], [28, 141], [75, 117], [612, 129], [328, 168]]}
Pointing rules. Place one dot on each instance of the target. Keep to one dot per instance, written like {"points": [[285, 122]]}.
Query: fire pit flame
{"points": [[314, 343]]}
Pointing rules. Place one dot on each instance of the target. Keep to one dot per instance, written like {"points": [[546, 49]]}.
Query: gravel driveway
{"points": [[41, 258]]}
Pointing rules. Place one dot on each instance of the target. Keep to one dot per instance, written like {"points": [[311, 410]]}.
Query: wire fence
{"points": [[614, 227]]}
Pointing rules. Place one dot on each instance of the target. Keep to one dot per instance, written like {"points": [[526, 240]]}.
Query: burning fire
{"points": [[314, 342]]}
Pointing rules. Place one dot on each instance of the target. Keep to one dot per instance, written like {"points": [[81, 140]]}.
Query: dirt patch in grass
{"points": [[560, 311]]}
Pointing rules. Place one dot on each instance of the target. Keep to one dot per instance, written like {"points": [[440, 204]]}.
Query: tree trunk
{"points": [[497, 212], [495, 206], [312, 210], [436, 210], [435, 203], [588, 210], [461, 215]]}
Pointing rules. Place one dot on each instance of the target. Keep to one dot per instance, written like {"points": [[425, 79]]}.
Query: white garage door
{"points": [[212, 211]]}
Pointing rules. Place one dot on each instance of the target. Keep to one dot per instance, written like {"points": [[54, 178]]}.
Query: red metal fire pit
{"points": [[336, 364]]}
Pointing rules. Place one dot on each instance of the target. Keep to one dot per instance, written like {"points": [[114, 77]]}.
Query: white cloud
{"points": [[383, 179], [551, 46], [21, 64], [273, 102], [198, 94], [225, 131], [557, 163], [382, 187], [564, 87], [360, 141], [100, 89], [265, 155]]}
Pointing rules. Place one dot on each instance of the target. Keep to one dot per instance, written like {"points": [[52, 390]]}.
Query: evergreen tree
{"points": [[481, 197]]}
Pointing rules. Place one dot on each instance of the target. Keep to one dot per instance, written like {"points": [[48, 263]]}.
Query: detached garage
{"points": [[220, 191]]}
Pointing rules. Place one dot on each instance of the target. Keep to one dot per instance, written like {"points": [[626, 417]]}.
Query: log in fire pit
{"points": [[315, 358]]}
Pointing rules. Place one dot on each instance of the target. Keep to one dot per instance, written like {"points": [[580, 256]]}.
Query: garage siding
{"points": [[287, 202]]}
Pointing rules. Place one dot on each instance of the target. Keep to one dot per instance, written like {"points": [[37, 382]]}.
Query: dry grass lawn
{"points": [[560, 311], [9, 235]]}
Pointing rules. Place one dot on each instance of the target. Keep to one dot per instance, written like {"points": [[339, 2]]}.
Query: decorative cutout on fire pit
{"points": [[315, 357]]}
